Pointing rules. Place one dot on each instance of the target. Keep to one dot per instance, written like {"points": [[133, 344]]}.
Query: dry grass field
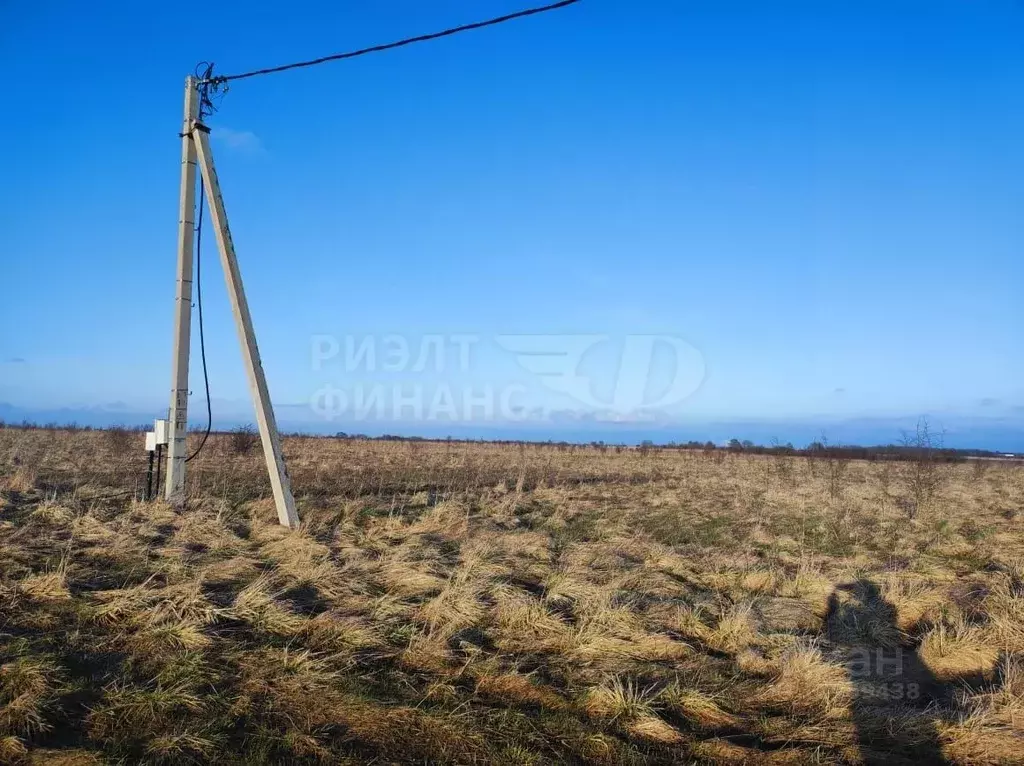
{"points": [[457, 603]]}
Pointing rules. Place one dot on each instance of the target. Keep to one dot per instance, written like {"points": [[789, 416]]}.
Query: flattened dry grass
{"points": [[450, 603]]}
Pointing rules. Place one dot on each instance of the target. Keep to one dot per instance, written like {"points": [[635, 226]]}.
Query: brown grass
{"points": [[454, 603]]}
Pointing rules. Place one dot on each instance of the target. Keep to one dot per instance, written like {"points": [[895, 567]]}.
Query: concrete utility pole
{"points": [[199, 148], [178, 415]]}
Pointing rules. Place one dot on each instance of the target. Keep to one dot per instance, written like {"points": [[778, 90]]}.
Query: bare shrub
{"points": [[835, 463], [924, 473], [243, 439], [814, 451], [836, 469]]}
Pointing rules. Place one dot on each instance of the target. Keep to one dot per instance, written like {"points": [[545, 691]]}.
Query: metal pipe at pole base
{"points": [[159, 453]]}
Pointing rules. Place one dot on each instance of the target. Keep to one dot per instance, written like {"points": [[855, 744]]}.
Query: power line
{"points": [[209, 85], [221, 79], [206, 107], [202, 334]]}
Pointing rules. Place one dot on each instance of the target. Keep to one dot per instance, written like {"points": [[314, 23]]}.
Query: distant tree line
{"points": [[910, 449]]}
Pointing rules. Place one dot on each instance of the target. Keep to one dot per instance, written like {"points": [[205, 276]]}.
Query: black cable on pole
{"points": [[199, 305], [221, 79]]}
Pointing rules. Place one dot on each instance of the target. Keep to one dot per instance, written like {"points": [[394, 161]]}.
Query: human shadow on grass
{"points": [[897, 700]]}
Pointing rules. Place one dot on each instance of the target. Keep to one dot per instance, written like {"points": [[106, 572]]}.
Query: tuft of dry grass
{"points": [[22, 479], [808, 684], [47, 586], [517, 689], [734, 631], [958, 651], [26, 696], [653, 729], [700, 709], [1004, 606], [258, 605], [976, 740], [12, 749], [620, 699]]}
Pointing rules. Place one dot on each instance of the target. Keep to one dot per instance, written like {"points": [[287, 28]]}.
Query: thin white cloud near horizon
{"points": [[238, 140]]}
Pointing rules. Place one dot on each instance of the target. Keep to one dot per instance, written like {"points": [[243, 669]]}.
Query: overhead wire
{"points": [[211, 86], [222, 79], [206, 107], [202, 333]]}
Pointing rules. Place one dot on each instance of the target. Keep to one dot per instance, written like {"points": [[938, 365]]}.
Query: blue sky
{"points": [[820, 200]]}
